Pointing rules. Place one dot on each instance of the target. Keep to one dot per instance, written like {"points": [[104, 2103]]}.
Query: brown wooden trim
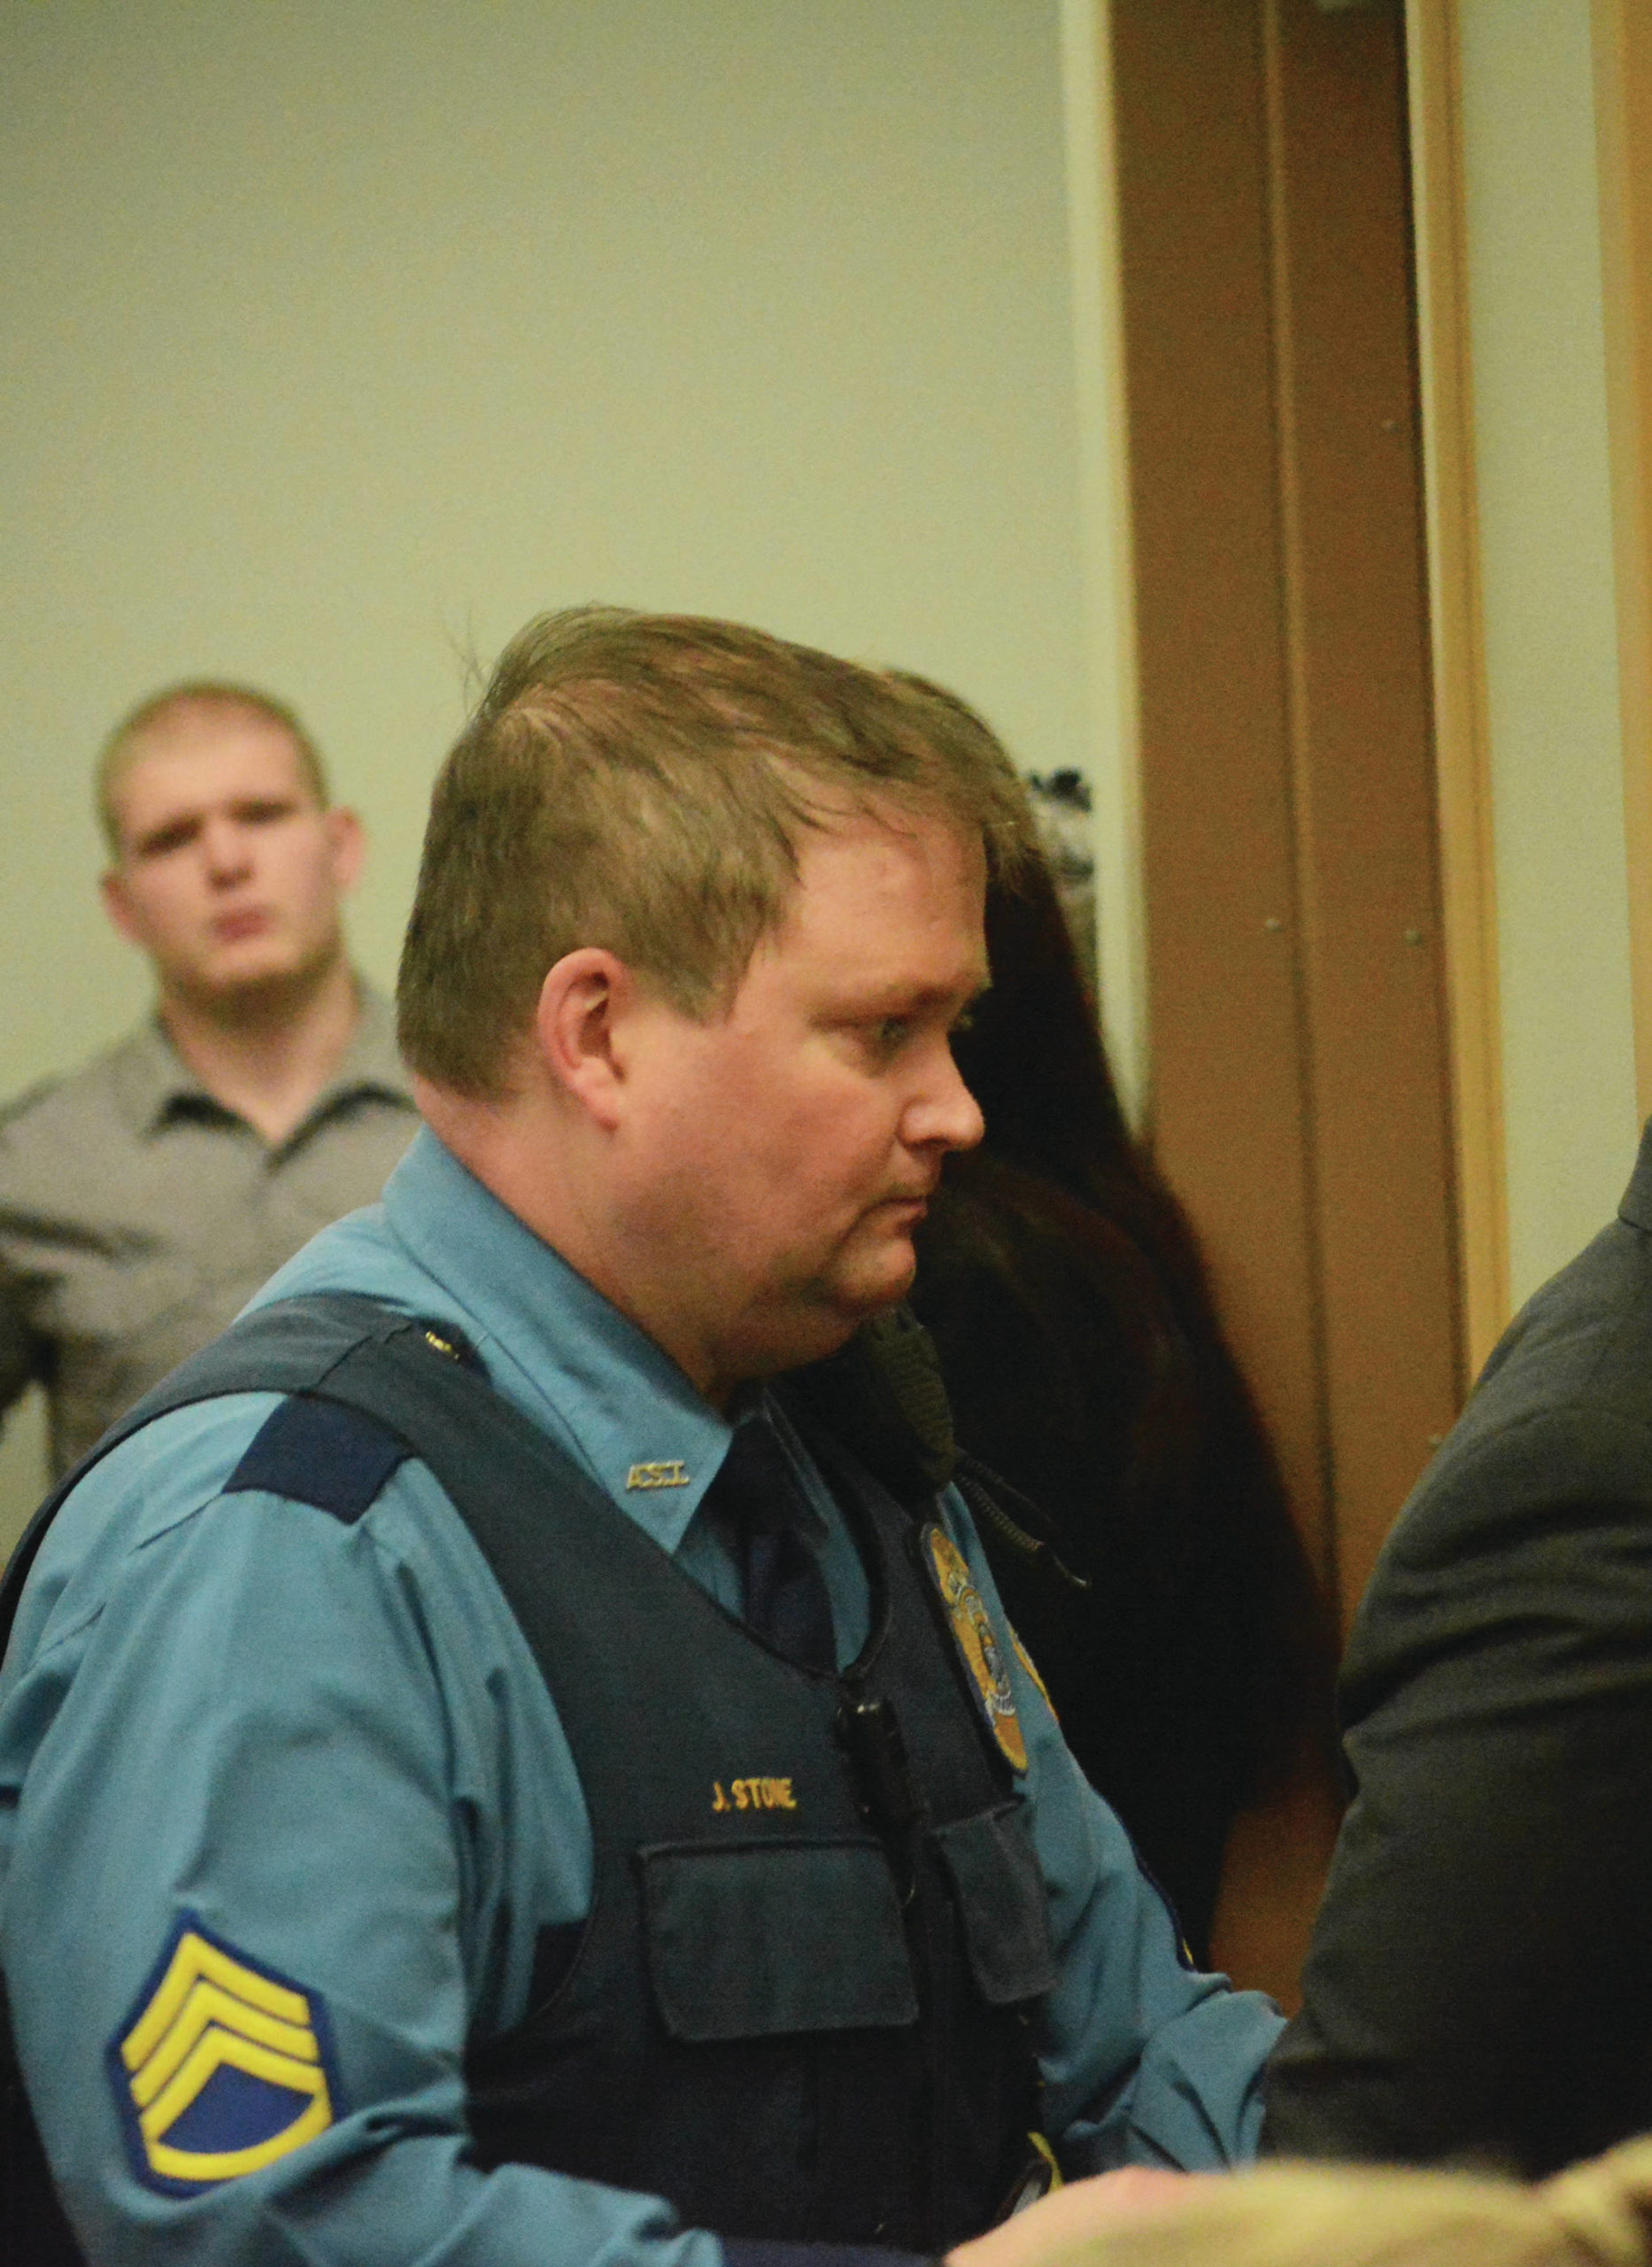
{"points": [[1462, 735], [1299, 729], [1231, 1117], [1623, 109]]}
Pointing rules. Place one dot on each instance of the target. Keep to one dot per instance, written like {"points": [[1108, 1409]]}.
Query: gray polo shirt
{"points": [[138, 1215]]}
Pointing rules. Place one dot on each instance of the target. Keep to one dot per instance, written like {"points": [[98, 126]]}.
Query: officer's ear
{"points": [[578, 1031]]}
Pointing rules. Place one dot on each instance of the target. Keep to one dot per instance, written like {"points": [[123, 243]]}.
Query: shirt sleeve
{"points": [[251, 1866], [1479, 1984], [1146, 2060]]}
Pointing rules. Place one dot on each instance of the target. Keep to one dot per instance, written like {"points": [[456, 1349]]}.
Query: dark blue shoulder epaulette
{"points": [[320, 1453]]}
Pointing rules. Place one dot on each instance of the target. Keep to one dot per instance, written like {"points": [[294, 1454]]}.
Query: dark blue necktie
{"points": [[757, 1498]]}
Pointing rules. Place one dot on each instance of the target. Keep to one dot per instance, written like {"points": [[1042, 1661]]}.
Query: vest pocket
{"points": [[995, 1871], [757, 1939]]}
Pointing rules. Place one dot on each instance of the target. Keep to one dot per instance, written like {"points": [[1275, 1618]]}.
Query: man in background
{"points": [[144, 1197]]}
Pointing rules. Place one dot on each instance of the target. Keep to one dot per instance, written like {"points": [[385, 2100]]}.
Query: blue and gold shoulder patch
{"points": [[222, 2066], [976, 1642]]}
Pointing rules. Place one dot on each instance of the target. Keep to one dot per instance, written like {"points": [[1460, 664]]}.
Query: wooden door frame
{"points": [[1300, 1085], [1467, 848], [1461, 730], [1622, 35]]}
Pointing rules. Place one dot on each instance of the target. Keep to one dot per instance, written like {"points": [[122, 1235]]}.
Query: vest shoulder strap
{"points": [[355, 1374]]}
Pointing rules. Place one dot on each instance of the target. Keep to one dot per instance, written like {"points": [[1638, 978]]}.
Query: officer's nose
{"points": [[947, 1115]]}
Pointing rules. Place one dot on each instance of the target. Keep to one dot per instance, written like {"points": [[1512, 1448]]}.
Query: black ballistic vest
{"points": [[800, 2007]]}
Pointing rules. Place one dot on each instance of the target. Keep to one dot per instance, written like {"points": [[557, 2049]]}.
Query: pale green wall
{"points": [[341, 337], [1540, 408]]}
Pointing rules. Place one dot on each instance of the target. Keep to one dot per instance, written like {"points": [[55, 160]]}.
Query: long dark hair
{"points": [[1077, 1325]]}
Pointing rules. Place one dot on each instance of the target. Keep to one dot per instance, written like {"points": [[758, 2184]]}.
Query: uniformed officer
{"points": [[513, 1756]]}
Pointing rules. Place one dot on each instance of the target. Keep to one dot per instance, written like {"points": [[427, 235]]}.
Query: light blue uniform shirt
{"points": [[329, 1743]]}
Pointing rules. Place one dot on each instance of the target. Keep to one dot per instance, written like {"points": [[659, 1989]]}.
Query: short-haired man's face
{"points": [[230, 872], [779, 1158]]}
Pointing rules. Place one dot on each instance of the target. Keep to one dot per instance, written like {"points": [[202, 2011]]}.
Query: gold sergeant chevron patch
{"points": [[221, 2067]]}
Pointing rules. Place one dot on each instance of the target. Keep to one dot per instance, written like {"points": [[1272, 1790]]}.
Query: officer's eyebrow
{"points": [[919, 999]]}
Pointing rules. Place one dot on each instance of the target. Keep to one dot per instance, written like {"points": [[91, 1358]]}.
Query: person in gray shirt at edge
{"points": [[144, 1197]]}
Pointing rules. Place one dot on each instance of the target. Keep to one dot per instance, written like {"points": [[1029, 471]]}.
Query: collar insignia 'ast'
{"points": [[976, 1642], [223, 2066]]}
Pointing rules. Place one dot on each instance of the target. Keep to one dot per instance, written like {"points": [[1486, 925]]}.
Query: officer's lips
{"points": [[909, 1209]]}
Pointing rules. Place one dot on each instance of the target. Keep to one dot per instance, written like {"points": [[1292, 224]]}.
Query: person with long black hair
{"points": [[1147, 1555]]}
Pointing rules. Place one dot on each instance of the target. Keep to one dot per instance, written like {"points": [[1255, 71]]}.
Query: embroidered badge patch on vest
{"points": [[1031, 1667], [977, 1642], [222, 2066]]}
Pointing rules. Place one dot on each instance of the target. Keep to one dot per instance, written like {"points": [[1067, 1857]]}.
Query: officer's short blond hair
{"points": [[642, 783]]}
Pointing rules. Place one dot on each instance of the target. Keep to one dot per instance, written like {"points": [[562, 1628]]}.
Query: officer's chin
{"points": [[880, 1284], [822, 1324]]}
